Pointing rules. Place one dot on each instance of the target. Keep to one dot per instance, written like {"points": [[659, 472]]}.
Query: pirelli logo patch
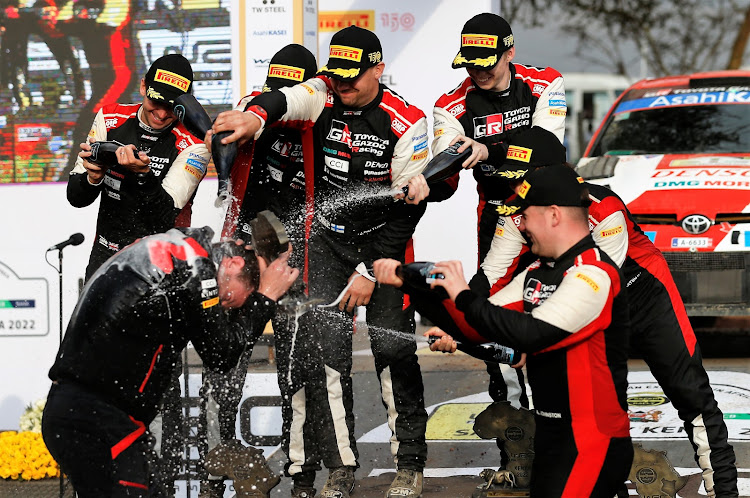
{"points": [[558, 112], [419, 155], [344, 52], [285, 72], [611, 231], [589, 281], [524, 189], [172, 79], [499, 231], [210, 302], [474, 40], [519, 153]]}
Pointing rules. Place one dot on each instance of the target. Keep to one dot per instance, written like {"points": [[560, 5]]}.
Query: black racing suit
{"points": [[660, 329], [135, 205], [535, 97], [360, 154], [574, 326], [133, 319]]}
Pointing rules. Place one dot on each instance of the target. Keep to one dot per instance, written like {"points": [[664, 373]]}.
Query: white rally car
{"points": [[677, 150]]}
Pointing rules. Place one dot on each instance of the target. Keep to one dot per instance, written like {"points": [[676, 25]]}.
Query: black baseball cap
{"points": [[169, 77], [529, 149], [556, 185], [291, 65], [484, 39], [353, 50]]}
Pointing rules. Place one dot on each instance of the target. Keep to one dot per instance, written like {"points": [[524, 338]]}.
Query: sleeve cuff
{"points": [[465, 299]]}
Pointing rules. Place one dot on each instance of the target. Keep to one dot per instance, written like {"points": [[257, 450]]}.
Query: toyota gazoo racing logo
{"points": [[536, 292], [339, 132], [485, 126], [696, 224]]}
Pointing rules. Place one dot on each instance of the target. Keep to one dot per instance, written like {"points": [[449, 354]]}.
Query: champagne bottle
{"points": [[444, 165], [417, 274], [104, 153], [189, 111], [488, 351]]}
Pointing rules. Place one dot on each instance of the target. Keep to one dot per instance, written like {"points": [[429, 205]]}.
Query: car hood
{"points": [[679, 184]]}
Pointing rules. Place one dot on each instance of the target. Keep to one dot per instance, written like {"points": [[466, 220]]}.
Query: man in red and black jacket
{"points": [[134, 317], [367, 141], [568, 311], [158, 167]]}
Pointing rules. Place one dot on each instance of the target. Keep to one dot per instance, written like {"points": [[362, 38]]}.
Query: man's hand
{"points": [[445, 343], [385, 272], [244, 124], [520, 363], [132, 159], [479, 151], [276, 278], [359, 293], [94, 171], [454, 282], [418, 190]]}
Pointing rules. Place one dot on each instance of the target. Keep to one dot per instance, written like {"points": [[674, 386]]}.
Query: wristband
{"points": [[362, 270]]}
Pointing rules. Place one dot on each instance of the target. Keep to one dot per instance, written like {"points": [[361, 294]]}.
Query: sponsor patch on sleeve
{"points": [[439, 132], [210, 302], [589, 281], [499, 231], [419, 155], [558, 112], [611, 231]]}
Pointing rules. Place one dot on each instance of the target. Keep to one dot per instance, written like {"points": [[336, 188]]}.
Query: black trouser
{"points": [[319, 419], [662, 335], [573, 463], [104, 451]]}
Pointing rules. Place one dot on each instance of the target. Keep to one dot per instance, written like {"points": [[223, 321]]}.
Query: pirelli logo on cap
{"points": [[519, 153], [348, 53], [172, 79], [485, 41], [524, 189], [285, 72]]}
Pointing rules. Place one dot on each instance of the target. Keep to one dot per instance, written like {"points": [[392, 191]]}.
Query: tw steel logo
{"points": [[486, 126], [339, 132]]}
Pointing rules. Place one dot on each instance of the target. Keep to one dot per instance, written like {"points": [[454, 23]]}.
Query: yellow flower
{"points": [[24, 455]]}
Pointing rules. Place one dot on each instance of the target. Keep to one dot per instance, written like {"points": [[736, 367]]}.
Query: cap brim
{"points": [[476, 59], [511, 172], [158, 93], [341, 73], [514, 206]]}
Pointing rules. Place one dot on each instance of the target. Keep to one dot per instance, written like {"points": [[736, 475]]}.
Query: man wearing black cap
{"points": [[367, 141], [158, 166], [568, 311], [660, 330], [275, 175]]}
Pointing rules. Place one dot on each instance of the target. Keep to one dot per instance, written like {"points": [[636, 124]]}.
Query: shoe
{"points": [[407, 483], [300, 492], [340, 483]]}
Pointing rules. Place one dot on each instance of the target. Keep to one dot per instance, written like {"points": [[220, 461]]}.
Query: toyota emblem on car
{"points": [[696, 224]]}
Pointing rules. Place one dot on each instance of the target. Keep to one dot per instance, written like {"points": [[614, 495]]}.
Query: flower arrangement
{"points": [[31, 420], [23, 455]]}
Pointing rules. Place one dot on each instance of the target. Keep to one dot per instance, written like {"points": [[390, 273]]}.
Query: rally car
{"points": [[677, 150]]}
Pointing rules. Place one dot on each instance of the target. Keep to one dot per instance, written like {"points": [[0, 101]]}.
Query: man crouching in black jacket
{"points": [[134, 317]]}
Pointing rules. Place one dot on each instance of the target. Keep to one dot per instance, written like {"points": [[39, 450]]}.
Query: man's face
{"points": [[496, 79], [156, 114], [233, 291], [360, 91], [536, 224]]}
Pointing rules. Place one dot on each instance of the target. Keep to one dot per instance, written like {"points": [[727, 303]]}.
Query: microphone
{"points": [[74, 240]]}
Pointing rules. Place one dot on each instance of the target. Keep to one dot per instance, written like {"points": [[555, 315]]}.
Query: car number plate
{"points": [[679, 242]]}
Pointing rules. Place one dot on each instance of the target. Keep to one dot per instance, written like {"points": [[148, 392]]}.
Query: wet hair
{"points": [[250, 274]]}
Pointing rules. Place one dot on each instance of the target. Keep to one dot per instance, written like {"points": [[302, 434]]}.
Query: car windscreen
{"points": [[678, 129]]}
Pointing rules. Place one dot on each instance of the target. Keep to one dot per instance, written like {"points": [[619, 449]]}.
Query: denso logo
{"points": [[488, 125], [339, 132]]}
